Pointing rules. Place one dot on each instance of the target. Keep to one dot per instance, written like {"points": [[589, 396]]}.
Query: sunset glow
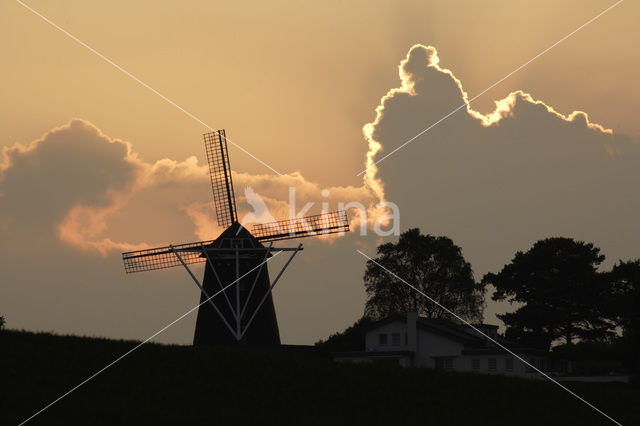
{"points": [[93, 163]]}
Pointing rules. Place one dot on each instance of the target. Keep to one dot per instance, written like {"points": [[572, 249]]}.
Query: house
{"points": [[412, 341]]}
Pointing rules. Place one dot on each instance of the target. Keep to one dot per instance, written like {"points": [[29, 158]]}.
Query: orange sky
{"points": [[288, 80], [294, 84]]}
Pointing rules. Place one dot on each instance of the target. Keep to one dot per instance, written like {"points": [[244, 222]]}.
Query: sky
{"points": [[94, 164]]}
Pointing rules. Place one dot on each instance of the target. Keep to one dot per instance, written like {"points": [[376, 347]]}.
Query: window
{"points": [[383, 338], [532, 361], [508, 364], [542, 365], [406, 339], [395, 339], [444, 362], [475, 364], [448, 363], [492, 364]]}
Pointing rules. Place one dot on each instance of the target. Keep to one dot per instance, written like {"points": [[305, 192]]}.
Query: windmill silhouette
{"points": [[235, 261]]}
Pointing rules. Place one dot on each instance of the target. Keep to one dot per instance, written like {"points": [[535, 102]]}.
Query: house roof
{"points": [[449, 329], [482, 325]]}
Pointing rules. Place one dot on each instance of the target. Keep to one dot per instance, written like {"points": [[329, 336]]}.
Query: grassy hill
{"points": [[160, 384]]}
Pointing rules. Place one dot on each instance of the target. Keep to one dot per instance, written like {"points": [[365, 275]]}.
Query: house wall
{"points": [[431, 345], [373, 337], [520, 369], [428, 344]]}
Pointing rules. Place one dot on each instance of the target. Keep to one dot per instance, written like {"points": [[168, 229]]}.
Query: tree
{"points": [[624, 306], [1, 323], [435, 266], [351, 339], [562, 292]]}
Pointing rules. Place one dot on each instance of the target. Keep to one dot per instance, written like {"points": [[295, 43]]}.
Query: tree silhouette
{"points": [[624, 307], [435, 266], [351, 339], [562, 292]]}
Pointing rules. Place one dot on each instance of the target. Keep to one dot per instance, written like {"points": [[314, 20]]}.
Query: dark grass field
{"points": [[179, 385]]}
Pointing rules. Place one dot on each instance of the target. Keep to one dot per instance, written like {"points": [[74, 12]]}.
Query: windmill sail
{"points": [[235, 262], [163, 257], [321, 224], [220, 172]]}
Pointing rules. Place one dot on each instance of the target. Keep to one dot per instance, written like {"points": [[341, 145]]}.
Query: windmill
{"points": [[236, 303]]}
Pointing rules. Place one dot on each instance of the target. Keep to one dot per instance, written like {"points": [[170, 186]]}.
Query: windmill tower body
{"points": [[236, 303], [231, 264]]}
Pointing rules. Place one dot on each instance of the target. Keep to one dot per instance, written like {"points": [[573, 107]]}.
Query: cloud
{"points": [[494, 182], [72, 200], [498, 181], [51, 181], [76, 181]]}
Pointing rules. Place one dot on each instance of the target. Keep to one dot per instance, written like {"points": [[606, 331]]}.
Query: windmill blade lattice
{"points": [[220, 173], [163, 257], [321, 224]]}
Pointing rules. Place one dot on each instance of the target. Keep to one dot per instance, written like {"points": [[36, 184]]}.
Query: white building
{"points": [[422, 342]]}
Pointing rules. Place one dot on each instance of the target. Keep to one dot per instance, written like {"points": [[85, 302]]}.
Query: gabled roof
{"points": [[385, 321], [449, 329]]}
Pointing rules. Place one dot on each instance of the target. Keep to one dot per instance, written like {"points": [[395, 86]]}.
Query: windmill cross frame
{"points": [[238, 331], [230, 255]]}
